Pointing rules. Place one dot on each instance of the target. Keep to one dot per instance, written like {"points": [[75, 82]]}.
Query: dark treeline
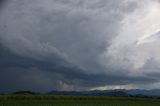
{"points": [[47, 97]]}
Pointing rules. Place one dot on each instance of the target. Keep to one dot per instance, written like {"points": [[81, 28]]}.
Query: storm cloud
{"points": [[77, 44]]}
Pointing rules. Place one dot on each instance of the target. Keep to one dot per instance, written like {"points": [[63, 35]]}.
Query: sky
{"points": [[74, 45]]}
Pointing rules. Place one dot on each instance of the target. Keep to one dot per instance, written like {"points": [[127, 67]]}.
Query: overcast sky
{"points": [[79, 45]]}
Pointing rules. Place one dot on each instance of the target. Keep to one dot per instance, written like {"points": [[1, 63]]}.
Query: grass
{"points": [[24, 100]]}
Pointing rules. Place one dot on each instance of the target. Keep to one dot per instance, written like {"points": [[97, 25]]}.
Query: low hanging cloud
{"points": [[77, 45], [75, 31]]}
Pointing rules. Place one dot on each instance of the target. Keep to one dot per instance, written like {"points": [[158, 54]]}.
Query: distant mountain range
{"points": [[90, 93], [117, 92]]}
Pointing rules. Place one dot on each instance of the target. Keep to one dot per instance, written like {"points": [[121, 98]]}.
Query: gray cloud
{"points": [[50, 29], [23, 73], [1, 2], [71, 44]]}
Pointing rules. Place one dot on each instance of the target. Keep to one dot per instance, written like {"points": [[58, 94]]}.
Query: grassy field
{"points": [[24, 100]]}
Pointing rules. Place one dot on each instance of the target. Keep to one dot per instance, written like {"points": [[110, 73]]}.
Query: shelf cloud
{"points": [[78, 45]]}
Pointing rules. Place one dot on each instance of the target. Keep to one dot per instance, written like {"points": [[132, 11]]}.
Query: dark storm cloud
{"points": [[1, 2], [27, 74], [59, 44], [78, 32]]}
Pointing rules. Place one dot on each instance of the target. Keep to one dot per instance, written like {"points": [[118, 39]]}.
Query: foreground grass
{"points": [[75, 101]]}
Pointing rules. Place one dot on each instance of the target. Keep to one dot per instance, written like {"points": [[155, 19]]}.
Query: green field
{"points": [[24, 100]]}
